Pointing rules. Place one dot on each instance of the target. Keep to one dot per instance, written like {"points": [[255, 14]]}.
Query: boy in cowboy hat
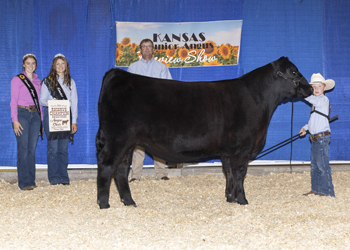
{"points": [[318, 127]]}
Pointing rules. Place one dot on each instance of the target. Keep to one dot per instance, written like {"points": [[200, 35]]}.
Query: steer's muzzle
{"points": [[304, 88]]}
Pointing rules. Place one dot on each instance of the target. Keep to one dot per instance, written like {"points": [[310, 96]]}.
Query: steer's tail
{"points": [[99, 141], [100, 137]]}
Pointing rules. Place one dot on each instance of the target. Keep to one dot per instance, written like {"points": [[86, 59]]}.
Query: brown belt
{"points": [[313, 137], [31, 108]]}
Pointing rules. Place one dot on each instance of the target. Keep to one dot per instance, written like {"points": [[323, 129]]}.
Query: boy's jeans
{"points": [[321, 173]]}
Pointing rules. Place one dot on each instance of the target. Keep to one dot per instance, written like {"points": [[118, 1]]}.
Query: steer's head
{"points": [[293, 81]]}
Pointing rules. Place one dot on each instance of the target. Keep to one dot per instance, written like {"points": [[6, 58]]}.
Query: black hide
{"points": [[183, 121]]}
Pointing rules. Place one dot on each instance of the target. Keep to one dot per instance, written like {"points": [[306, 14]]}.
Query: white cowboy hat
{"points": [[318, 78]]}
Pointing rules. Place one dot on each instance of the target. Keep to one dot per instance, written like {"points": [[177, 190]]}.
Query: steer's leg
{"points": [[121, 179], [226, 164], [239, 173], [104, 175]]}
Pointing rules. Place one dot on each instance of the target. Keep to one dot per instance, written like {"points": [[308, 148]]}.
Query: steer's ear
{"points": [[282, 63], [283, 58]]}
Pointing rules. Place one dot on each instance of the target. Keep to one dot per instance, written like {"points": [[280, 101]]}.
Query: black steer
{"points": [[183, 121]]}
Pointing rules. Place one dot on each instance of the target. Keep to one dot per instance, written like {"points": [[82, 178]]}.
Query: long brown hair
{"points": [[53, 73]]}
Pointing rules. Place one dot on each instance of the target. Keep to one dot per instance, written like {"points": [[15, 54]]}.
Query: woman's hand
{"points": [[74, 128], [17, 127]]}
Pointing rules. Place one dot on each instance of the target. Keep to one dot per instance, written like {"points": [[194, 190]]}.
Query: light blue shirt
{"points": [[72, 96], [318, 123], [152, 68]]}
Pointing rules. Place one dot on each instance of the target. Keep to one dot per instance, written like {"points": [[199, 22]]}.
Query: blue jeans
{"points": [[321, 173], [26, 145], [57, 157]]}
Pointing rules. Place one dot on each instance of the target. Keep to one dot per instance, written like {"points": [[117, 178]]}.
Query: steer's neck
{"points": [[264, 86]]}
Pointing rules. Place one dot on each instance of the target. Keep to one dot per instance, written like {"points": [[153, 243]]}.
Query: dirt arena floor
{"points": [[182, 213]]}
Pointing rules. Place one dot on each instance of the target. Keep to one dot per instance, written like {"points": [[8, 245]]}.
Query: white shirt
{"points": [[70, 93], [152, 68], [318, 123]]}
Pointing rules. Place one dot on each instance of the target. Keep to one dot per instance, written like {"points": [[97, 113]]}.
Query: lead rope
{"points": [[291, 139]]}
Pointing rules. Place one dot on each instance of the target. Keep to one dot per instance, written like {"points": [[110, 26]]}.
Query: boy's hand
{"points": [[302, 132]]}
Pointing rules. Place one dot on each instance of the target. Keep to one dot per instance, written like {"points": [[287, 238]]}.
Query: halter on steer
{"points": [[296, 80]]}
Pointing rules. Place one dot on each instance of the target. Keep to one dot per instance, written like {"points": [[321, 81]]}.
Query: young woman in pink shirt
{"points": [[26, 120]]}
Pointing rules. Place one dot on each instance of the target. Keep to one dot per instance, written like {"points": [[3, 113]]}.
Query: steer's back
{"points": [[194, 118], [133, 98]]}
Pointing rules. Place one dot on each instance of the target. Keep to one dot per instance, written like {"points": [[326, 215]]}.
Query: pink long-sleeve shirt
{"points": [[20, 94]]}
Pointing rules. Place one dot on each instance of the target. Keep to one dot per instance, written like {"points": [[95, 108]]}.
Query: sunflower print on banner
{"points": [[209, 54]]}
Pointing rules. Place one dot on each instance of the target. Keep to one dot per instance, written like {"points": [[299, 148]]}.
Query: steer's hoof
{"points": [[129, 203], [242, 202], [230, 199], [104, 206]]}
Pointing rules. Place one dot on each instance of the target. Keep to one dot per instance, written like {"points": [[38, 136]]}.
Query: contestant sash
{"points": [[34, 95]]}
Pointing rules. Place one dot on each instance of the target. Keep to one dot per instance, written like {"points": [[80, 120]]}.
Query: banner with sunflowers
{"points": [[189, 44]]}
